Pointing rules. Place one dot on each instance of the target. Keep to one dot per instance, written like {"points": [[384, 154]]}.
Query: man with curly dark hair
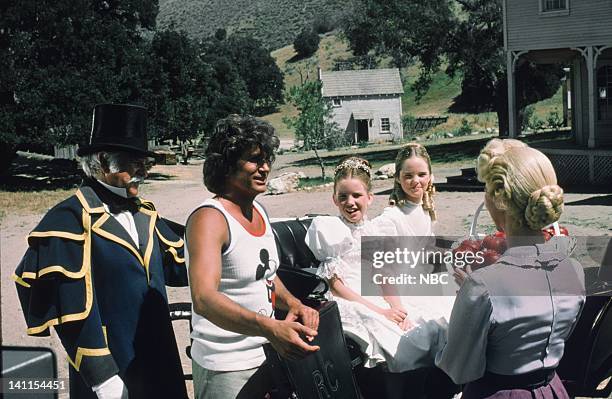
{"points": [[232, 269], [233, 136]]}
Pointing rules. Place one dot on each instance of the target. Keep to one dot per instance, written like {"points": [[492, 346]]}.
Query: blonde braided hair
{"points": [[398, 197]]}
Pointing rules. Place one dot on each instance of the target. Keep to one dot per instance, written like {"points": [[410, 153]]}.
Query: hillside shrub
{"points": [[306, 43], [554, 120], [531, 120], [408, 125], [536, 123], [464, 130], [323, 24], [528, 115]]}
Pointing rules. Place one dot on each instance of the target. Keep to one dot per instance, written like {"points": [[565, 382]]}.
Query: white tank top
{"points": [[248, 269]]}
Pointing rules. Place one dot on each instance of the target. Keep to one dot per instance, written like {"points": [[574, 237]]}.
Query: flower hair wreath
{"points": [[352, 164]]}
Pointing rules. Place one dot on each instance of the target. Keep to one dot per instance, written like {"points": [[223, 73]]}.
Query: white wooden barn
{"points": [[367, 104], [576, 33]]}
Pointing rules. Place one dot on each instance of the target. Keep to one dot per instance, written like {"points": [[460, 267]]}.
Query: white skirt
{"points": [[383, 341]]}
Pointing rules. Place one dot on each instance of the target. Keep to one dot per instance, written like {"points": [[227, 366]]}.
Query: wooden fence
{"points": [[421, 124]]}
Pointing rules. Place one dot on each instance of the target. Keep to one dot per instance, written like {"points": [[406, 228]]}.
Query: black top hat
{"points": [[119, 127]]}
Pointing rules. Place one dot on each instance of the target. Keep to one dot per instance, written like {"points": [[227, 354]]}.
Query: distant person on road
{"points": [[97, 267], [232, 270]]}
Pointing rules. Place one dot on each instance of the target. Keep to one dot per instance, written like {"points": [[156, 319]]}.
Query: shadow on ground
{"points": [[31, 172], [448, 152], [459, 151], [605, 200], [467, 151]]}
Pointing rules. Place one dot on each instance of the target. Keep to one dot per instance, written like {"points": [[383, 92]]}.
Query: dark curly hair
{"points": [[234, 136]]}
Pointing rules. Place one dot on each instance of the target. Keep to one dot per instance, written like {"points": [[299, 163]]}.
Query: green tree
{"points": [[253, 64], [323, 23], [465, 37], [193, 85], [262, 76], [313, 124], [59, 58], [306, 43], [182, 87], [231, 96]]}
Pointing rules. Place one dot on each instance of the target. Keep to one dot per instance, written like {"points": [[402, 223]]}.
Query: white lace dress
{"points": [[414, 227], [337, 244]]}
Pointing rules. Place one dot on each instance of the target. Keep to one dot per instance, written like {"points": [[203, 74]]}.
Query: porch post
{"points": [[512, 128], [578, 105], [591, 85]]}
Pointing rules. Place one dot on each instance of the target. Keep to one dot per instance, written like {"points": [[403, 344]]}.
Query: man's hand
{"points": [[286, 338], [113, 388], [304, 314]]}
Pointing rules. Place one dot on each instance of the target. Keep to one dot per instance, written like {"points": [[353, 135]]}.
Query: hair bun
{"points": [[544, 207]]}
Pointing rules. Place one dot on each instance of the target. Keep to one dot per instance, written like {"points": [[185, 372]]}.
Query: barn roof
{"points": [[362, 82]]}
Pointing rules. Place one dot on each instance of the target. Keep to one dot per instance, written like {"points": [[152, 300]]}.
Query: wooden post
{"points": [[512, 128], [578, 106], [591, 85]]}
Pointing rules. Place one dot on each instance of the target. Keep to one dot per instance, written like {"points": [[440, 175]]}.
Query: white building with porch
{"points": [[367, 103], [577, 33]]}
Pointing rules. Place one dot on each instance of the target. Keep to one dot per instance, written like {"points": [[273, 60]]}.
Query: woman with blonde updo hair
{"points": [[522, 183], [511, 319]]}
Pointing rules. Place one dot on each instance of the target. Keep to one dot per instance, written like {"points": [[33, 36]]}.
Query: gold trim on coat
{"points": [[88, 284]]}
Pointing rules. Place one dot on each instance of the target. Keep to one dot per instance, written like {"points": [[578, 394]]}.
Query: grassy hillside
{"points": [[331, 49], [274, 22], [435, 102], [277, 22]]}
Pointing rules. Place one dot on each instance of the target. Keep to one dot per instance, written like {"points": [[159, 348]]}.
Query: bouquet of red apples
{"points": [[488, 250]]}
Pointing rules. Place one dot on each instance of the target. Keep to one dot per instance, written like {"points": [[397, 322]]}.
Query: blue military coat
{"points": [[104, 295]]}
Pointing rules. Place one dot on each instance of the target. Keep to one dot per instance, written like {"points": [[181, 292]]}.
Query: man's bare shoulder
{"points": [[207, 220]]}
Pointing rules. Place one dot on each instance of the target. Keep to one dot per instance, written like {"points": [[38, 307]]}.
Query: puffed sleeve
{"points": [[383, 225], [328, 238], [464, 356]]}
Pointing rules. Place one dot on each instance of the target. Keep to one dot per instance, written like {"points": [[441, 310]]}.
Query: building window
{"points": [[336, 102], [554, 6], [385, 126], [604, 93]]}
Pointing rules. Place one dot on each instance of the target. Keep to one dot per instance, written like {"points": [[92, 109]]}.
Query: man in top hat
{"points": [[97, 266]]}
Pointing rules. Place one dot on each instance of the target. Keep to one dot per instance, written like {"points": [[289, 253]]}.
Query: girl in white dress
{"points": [[379, 328], [411, 213], [410, 217]]}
